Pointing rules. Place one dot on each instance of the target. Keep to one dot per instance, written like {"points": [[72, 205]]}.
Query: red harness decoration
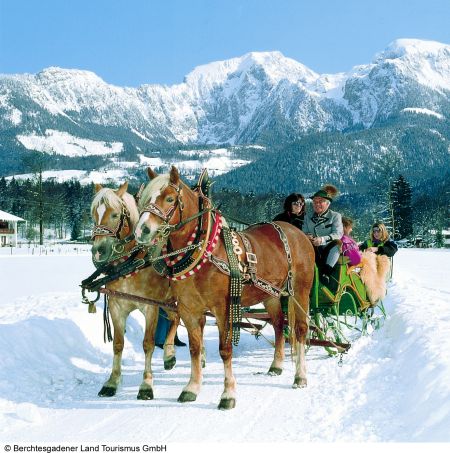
{"points": [[212, 242], [178, 258]]}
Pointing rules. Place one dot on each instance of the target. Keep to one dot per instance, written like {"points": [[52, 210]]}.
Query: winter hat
{"points": [[328, 192]]}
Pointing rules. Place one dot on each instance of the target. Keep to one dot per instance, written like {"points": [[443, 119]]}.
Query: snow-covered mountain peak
{"points": [[205, 77], [417, 48], [278, 67], [243, 100], [274, 65], [56, 75], [427, 62]]}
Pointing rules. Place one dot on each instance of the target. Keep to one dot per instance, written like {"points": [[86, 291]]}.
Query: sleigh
{"points": [[339, 312], [175, 234]]}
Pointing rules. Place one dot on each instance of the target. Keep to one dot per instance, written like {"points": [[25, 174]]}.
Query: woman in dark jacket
{"points": [[294, 210], [379, 241]]}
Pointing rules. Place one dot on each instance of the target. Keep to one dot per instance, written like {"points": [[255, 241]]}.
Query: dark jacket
{"points": [[388, 248], [296, 220]]}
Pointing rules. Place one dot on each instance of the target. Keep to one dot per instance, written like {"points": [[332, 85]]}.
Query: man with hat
{"points": [[324, 229]]}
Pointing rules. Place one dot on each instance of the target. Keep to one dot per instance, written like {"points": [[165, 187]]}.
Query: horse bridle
{"points": [[106, 231], [165, 228]]}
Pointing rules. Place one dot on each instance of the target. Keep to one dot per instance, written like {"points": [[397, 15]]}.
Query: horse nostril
{"points": [[145, 229]]}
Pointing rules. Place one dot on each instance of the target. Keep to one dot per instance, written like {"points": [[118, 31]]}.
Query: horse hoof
{"points": [[107, 391], [187, 397], [170, 363], [299, 383], [145, 394], [227, 403], [274, 371]]}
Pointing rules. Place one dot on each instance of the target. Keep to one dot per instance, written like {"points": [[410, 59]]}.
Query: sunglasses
{"points": [[298, 203], [376, 230]]}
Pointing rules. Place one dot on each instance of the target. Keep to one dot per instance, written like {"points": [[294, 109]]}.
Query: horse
{"points": [[115, 215], [171, 212]]}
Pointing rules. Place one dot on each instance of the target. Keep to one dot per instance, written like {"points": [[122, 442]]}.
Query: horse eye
{"points": [[170, 199], [115, 215]]}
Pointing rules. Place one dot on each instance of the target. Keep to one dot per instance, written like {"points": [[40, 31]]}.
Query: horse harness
{"points": [[122, 264], [248, 268], [183, 263]]}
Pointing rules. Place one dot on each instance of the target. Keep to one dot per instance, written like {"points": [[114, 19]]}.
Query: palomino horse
{"points": [[170, 209], [115, 215]]}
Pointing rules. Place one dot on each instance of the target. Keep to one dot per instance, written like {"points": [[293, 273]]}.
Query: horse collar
{"points": [[185, 264]]}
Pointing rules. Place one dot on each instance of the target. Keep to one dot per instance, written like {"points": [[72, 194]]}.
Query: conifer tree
{"points": [[401, 207]]}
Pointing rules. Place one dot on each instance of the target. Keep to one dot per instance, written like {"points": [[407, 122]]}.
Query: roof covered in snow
{"points": [[12, 218]]}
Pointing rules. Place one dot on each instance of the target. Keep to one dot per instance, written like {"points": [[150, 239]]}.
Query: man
{"points": [[324, 229]]}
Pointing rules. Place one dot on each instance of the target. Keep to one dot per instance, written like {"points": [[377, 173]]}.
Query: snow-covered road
{"points": [[393, 385]]}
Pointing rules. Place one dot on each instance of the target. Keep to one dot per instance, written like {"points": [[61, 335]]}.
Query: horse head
{"points": [[160, 206], [115, 214]]}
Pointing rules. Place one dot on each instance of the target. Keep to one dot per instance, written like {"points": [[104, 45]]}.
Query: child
{"points": [[350, 248], [379, 241]]}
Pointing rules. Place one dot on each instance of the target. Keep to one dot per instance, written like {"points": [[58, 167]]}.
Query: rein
{"points": [[140, 299]]}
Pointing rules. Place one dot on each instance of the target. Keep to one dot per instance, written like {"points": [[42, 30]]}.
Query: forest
{"points": [[61, 211]]}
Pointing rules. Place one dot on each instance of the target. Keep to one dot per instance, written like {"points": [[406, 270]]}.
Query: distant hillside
{"points": [[414, 145], [277, 123]]}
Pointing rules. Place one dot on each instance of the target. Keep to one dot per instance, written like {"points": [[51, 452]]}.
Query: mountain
{"points": [[227, 109]]}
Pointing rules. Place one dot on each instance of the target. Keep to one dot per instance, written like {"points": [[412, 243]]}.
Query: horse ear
{"points": [[174, 175], [122, 189], [151, 174], [98, 187]]}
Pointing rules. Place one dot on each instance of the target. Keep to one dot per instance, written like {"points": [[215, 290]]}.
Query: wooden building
{"points": [[8, 229]]}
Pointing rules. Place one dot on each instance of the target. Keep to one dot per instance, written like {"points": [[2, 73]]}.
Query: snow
{"points": [[426, 61], [10, 217], [224, 101], [68, 145], [393, 386], [403, 46], [217, 161], [424, 112], [215, 165], [84, 177]]}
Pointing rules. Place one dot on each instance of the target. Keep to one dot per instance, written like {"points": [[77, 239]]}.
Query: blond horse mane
{"points": [[154, 187], [113, 201]]}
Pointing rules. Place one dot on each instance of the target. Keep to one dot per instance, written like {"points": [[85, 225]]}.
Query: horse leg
{"points": [[301, 307], [151, 318], [228, 397], [194, 327], [118, 317], [169, 348], [277, 319]]}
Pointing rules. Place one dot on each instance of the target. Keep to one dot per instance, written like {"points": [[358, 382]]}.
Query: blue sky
{"points": [[132, 42]]}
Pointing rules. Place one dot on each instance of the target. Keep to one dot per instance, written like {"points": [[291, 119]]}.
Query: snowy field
{"points": [[393, 386]]}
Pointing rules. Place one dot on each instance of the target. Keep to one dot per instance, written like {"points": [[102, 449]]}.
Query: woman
{"points": [[350, 248], [294, 210], [379, 241]]}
